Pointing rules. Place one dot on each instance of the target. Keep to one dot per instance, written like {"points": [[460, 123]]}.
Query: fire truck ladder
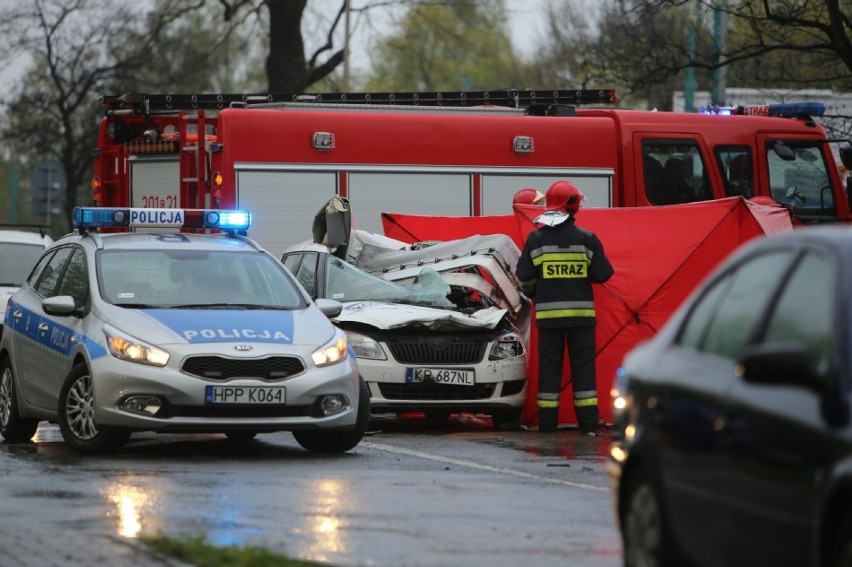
{"points": [[535, 101]]}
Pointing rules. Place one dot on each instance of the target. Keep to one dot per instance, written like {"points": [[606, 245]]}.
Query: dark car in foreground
{"points": [[732, 442]]}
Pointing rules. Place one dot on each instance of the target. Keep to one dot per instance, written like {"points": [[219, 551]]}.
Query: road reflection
{"points": [[131, 504], [327, 503]]}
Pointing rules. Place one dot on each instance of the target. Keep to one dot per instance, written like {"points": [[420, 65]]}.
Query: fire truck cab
{"points": [[453, 154]]}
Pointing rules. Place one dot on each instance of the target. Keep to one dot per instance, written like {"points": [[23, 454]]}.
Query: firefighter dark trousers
{"points": [[581, 354]]}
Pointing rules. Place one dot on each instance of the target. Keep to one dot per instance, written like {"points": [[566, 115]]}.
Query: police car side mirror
{"points": [[329, 307], [60, 305]]}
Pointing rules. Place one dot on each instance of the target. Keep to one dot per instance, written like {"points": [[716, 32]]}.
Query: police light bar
{"points": [[782, 109], [105, 217]]}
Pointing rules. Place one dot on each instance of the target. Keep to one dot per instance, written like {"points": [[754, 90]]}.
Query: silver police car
{"points": [[172, 331]]}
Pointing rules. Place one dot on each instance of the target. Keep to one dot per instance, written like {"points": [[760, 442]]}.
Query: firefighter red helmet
{"points": [[563, 196], [528, 197]]}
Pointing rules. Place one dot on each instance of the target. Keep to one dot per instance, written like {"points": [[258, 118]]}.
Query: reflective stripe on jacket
{"points": [[557, 268]]}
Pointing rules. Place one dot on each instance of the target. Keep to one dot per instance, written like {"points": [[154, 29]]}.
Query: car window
{"points": [[802, 315], [693, 331], [18, 259], [291, 261], [736, 166], [674, 172], [36, 271], [307, 273], [49, 276], [802, 183], [345, 282], [75, 280], [726, 323], [166, 278]]}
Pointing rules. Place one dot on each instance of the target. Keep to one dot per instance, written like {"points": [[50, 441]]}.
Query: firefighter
{"points": [[557, 268]]}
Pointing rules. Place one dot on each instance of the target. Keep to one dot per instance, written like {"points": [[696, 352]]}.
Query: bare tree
{"points": [[782, 43], [53, 113]]}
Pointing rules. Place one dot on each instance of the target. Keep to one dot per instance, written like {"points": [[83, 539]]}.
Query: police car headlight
{"points": [[365, 347], [507, 346], [125, 347], [332, 353]]}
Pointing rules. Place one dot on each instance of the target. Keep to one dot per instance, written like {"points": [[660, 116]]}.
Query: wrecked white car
{"points": [[437, 328]]}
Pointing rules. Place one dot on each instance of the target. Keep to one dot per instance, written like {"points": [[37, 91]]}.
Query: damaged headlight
{"points": [[365, 347], [509, 345]]}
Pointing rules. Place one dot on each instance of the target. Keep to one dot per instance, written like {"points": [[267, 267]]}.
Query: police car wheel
{"points": [[642, 526], [336, 441], [13, 427], [76, 416]]}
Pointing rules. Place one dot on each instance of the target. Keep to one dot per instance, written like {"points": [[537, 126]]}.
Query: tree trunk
{"points": [[285, 65]]}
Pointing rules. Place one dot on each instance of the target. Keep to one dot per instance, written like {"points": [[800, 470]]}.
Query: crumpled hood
{"points": [[395, 315]]}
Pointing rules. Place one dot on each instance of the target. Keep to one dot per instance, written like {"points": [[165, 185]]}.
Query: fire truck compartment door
{"points": [[154, 183], [283, 204]]}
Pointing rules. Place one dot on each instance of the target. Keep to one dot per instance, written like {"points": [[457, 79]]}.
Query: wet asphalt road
{"points": [[413, 493]]}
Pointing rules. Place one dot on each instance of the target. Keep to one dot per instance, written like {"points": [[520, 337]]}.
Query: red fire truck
{"points": [[456, 154]]}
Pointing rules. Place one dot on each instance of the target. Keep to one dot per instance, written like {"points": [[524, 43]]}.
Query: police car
{"points": [[19, 250], [173, 331]]}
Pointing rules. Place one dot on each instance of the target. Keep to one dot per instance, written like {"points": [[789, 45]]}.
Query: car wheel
{"points": [[507, 420], [76, 416], [841, 552], [337, 441], [13, 427], [642, 526]]}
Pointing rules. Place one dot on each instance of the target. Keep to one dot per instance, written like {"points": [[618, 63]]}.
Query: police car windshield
{"points": [[195, 279], [18, 260]]}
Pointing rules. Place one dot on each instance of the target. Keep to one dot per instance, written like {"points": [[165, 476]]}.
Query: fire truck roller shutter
{"points": [[154, 183], [428, 192], [498, 190], [283, 204]]}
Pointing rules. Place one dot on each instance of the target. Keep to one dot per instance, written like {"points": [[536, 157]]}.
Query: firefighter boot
{"points": [[548, 419]]}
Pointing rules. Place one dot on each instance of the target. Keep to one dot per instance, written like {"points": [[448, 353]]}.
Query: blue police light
{"points": [[227, 220], [103, 217], [87, 217]]}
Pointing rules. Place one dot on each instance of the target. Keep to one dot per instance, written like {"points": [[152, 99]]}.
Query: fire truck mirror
{"points": [[783, 151]]}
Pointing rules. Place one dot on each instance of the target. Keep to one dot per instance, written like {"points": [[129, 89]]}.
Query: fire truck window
{"points": [[802, 184], [674, 172], [737, 170]]}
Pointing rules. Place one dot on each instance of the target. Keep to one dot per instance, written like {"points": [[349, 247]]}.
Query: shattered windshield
{"points": [[345, 282]]}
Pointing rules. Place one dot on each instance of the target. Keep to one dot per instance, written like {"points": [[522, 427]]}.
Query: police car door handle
{"points": [[42, 328], [17, 315]]}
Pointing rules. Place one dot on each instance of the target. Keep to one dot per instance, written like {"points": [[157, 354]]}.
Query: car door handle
{"points": [[42, 328], [17, 315]]}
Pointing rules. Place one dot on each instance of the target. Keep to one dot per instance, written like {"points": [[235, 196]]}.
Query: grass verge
{"points": [[197, 551]]}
